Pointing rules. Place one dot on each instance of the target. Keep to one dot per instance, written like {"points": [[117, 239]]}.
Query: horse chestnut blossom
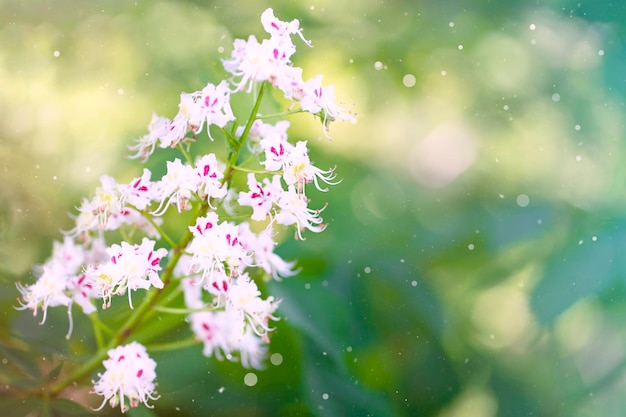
{"points": [[129, 374], [200, 239], [131, 267]]}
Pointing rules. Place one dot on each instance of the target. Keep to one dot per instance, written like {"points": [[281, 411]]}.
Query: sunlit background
{"points": [[474, 260]]}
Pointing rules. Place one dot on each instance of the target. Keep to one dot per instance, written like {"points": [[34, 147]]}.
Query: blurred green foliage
{"points": [[473, 261]]}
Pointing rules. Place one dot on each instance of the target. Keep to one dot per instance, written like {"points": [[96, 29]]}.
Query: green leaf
{"points": [[141, 411], [331, 392], [19, 406], [66, 408], [582, 269], [23, 360], [54, 373], [327, 324], [45, 411]]}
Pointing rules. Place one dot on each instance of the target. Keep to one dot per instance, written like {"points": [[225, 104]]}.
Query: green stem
{"points": [[281, 114], [231, 140], [186, 154], [97, 330], [173, 310], [158, 228], [173, 345], [232, 160], [255, 171]]}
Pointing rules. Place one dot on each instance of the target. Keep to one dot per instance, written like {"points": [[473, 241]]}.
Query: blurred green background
{"points": [[473, 265]]}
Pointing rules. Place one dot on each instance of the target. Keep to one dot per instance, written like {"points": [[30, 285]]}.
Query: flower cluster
{"points": [[129, 373], [214, 272]]}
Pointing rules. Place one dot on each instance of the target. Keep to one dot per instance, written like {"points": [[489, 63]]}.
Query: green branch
{"points": [[179, 344], [232, 159]]}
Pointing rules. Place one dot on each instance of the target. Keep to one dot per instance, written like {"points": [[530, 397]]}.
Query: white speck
{"points": [[312, 7], [539, 221], [401, 261], [601, 52], [443, 73], [221, 390], [470, 246], [522, 200], [579, 158], [120, 91], [532, 26], [533, 42], [505, 107], [492, 336], [594, 238], [351, 61], [501, 196], [324, 396], [87, 169], [276, 359], [580, 242], [460, 47], [250, 379], [367, 269], [451, 24], [325, 283], [577, 127], [414, 283], [349, 349], [378, 65], [307, 286], [556, 97], [220, 49], [408, 80], [56, 54]]}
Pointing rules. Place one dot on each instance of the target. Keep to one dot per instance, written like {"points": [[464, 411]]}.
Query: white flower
{"points": [[176, 187], [269, 60], [321, 101], [177, 128], [278, 28], [210, 175], [68, 254], [158, 128], [299, 171], [215, 247], [61, 281], [139, 193], [261, 247], [94, 214], [294, 210], [131, 267], [107, 200], [212, 105], [276, 150], [224, 333], [48, 291], [245, 298], [129, 374], [261, 197]]}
